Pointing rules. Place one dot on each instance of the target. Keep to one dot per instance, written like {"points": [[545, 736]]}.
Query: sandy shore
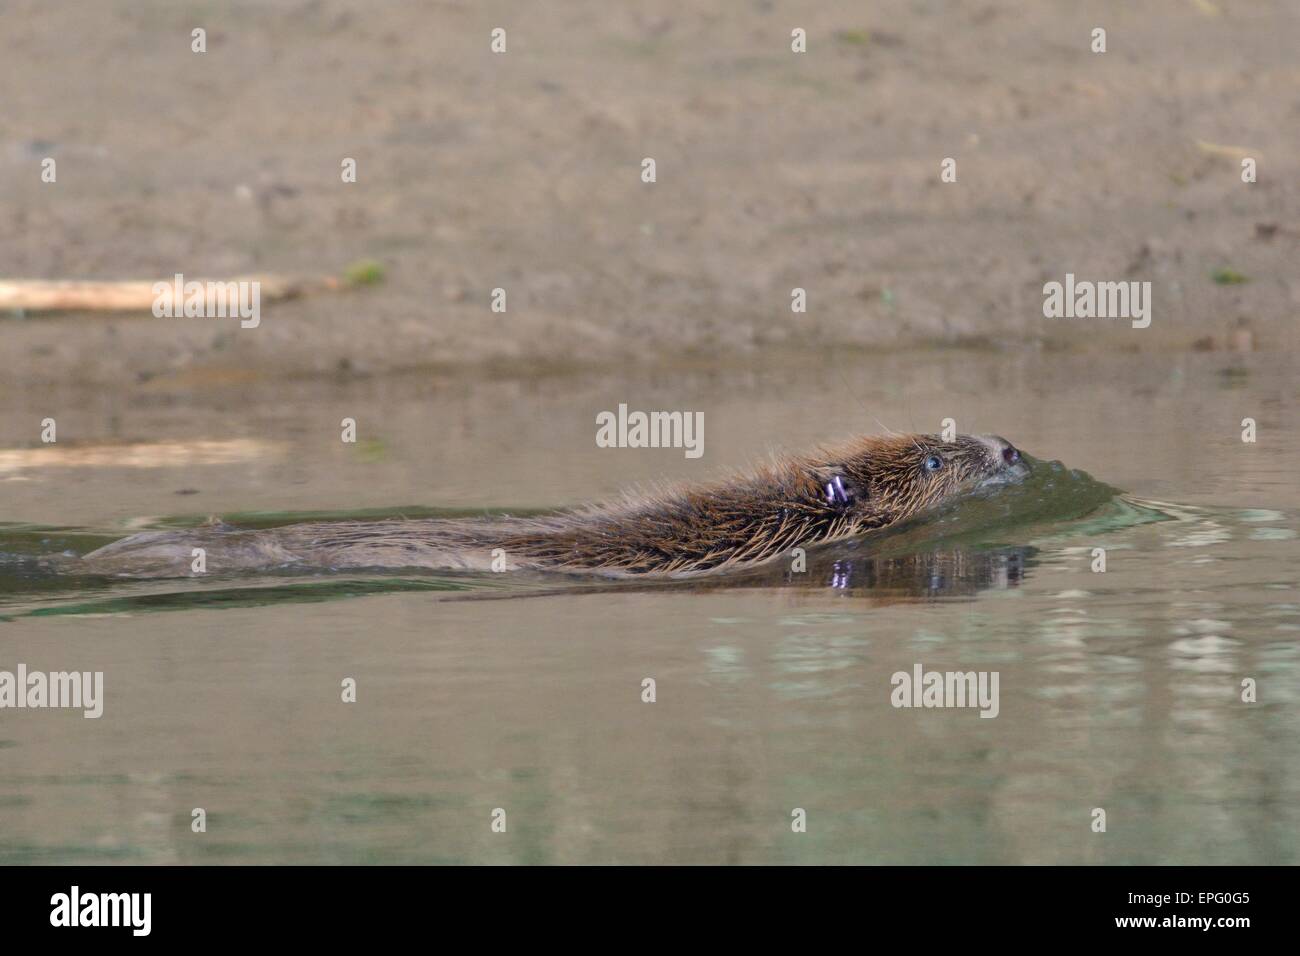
{"points": [[522, 171]]}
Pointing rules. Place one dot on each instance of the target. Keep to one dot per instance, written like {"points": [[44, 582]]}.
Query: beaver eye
{"points": [[933, 463]]}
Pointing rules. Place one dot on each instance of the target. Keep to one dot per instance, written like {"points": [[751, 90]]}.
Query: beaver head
{"points": [[883, 480]]}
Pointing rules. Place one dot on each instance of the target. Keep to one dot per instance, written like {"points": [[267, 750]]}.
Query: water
{"points": [[1119, 691]]}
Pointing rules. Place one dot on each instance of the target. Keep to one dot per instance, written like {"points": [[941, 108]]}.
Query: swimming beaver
{"points": [[865, 485]]}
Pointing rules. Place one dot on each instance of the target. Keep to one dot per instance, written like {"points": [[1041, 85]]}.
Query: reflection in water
{"points": [[851, 570], [949, 573]]}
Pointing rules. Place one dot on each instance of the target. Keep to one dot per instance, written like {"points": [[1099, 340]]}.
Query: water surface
{"points": [[1118, 690]]}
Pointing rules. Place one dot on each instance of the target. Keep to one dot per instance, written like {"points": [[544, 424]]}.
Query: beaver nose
{"points": [[1008, 453]]}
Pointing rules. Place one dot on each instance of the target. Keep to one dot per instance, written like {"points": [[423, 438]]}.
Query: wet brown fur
{"points": [[675, 532]]}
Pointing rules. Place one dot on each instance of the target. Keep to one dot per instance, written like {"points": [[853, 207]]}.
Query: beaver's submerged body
{"points": [[867, 485]]}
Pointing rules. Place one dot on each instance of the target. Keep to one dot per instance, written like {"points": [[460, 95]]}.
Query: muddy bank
{"points": [[521, 171]]}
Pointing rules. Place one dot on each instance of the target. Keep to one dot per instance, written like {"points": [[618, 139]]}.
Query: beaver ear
{"points": [[836, 488]]}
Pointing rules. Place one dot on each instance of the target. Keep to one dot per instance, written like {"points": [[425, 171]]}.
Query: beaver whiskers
{"points": [[864, 486]]}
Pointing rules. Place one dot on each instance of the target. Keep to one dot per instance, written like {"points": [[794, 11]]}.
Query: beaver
{"points": [[862, 486]]}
